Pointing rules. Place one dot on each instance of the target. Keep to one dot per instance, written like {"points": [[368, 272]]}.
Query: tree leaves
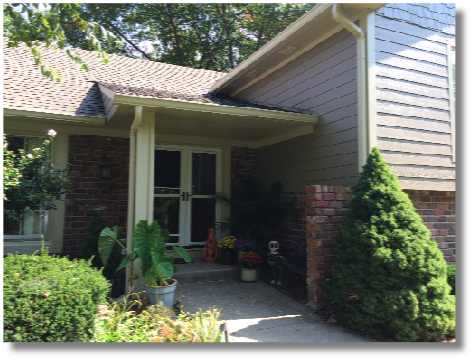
{"points": [[198, 35], [47, 24]]}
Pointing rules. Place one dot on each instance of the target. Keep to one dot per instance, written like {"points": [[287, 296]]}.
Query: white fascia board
{"points": [[31, 113], [214, 108]]}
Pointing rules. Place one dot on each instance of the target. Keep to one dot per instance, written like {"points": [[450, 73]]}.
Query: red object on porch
{"points": [[210, 251]]}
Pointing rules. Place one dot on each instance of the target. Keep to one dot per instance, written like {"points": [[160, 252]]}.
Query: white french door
{"points": [[184, 179]]}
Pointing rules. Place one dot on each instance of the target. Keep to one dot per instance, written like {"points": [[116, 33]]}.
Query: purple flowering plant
{"points": [[245, 244]]}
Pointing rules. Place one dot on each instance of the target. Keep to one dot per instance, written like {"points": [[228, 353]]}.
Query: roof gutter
{"points": [[362, 84], [213, 108]]}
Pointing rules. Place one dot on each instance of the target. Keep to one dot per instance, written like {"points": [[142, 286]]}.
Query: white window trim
{"points": [[450, 47]]}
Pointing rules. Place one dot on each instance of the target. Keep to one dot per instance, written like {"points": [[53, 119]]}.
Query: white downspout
{"points": [[363, 116], [132, 184]]}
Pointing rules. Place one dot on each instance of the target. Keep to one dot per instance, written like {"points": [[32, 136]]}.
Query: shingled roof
{"points": [[25, 88]]}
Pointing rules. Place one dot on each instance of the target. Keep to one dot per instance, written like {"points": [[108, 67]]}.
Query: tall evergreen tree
{"points": [[389, 279]]}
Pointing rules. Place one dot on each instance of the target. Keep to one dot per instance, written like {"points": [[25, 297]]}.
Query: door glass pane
{"points": [[203, 217], [166, 212], [167, 172], [203, 174]]}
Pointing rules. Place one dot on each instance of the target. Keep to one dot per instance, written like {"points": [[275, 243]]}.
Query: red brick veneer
{"points": [[326, 207], [89, 193]]}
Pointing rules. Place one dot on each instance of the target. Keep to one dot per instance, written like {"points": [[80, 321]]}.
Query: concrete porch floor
{"points": [[254, 312]]}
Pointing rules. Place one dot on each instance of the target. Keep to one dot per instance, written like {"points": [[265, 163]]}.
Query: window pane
{"points": [[203, 173], [167, 172], [203, 218], [167, 212]]}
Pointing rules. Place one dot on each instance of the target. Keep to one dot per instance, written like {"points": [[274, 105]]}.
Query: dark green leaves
{"points": [[146, 237], [106, 241]]}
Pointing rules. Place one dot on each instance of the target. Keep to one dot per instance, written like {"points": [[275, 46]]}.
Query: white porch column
{"points": [[141, 187]]}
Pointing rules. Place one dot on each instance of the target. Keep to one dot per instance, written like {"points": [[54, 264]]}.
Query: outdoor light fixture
{"points": [[105, 169]]}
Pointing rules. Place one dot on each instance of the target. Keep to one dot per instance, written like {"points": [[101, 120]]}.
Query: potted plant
{"points": [[226, 246], [149, 246], [244, 245], [249, 263]]}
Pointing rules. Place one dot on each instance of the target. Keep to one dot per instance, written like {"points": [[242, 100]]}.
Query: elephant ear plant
{"points": [[149, 246]]}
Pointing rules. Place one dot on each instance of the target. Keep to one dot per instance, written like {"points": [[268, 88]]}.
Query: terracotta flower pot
{"points": [[227, 257]]}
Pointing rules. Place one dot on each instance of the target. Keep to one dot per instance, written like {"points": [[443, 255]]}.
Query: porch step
{"points": [[201, 271]]}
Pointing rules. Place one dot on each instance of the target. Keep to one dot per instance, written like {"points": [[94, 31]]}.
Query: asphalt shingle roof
{"points": [[78, 93]]}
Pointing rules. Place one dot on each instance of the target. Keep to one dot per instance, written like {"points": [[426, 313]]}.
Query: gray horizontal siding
{"points": [[406, 86], [423, 124], [404, 147], [438, 17], [417, 159], [402, 109], [323, 82], [413, 118], [408, 183], [413, 171]]}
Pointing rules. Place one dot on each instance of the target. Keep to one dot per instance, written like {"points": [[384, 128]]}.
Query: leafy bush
{"points": [[451, 275], [89, 247], [389, 278], [118, 323], [50, 299]]}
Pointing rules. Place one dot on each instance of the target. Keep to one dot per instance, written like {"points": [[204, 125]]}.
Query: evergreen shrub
{"points": [[89, 247], [451, 275], [389, 278], [50, 299]]}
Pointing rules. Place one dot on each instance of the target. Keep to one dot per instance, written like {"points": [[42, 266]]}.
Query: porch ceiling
{"points": [[235, 126]]}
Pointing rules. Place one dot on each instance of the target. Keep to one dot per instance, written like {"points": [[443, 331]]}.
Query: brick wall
{"points": [[89, 193], [243, 166], [293, 229], [438, 212], [326, 209]]}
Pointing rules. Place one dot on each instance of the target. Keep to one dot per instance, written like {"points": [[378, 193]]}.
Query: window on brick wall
{"points": [[34, 223]]}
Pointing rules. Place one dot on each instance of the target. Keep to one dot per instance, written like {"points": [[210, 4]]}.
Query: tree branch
{"points": [[129, 41]]}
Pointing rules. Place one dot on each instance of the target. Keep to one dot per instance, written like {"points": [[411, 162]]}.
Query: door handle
{"points": [[185, 196]]}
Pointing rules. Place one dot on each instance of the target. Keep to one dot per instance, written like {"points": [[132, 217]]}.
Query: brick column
{"points": [[326, 207]]}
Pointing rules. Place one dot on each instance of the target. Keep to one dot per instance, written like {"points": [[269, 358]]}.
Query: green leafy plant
{"points": [[389, 278], [205, 327], [89, 248], [30, 182], [149, 246], [451, 275], [50, 299]]}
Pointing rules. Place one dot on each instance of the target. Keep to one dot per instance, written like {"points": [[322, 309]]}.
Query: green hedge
{"points": [[50, 299], [451, 275]]}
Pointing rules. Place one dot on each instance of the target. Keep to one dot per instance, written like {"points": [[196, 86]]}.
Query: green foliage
{"points": [[89, 248], [149, 244], [205, 326], [389, 279], [451, 275], [34, 23], [50, 299], [30, 182], [256, 213], [119, 323], [198, 35]]}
